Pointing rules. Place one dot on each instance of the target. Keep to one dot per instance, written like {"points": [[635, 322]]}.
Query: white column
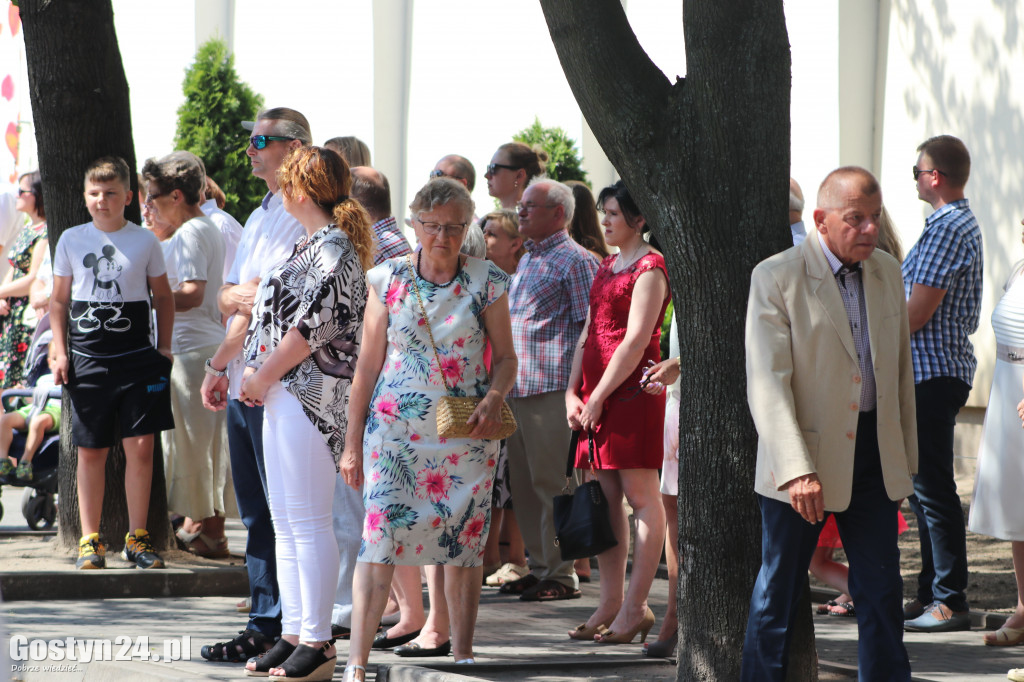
{"points": [[600, 171], [392, 53], [862, 49], [215, 18]]}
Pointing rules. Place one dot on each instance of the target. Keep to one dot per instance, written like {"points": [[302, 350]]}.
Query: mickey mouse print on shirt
{"points": [[106, 293], [110, 301]]}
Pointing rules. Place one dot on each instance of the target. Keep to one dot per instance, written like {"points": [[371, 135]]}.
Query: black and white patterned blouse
{"points": [[321, 291]]}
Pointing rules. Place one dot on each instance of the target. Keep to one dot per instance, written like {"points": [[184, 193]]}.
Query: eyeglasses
{"points": [[492, 167], [524, 208], [260, 141], [918, 171], [453, 230], [152, 196], [24, 191]]}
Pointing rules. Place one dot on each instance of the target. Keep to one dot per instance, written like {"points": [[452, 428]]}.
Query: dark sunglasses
{"points": [[918, 171], [440, 174], [260, 141], [491, 167]]}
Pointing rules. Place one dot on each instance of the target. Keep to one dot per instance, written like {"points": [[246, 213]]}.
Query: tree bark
{"points": [[80, 107], [707, 160]]}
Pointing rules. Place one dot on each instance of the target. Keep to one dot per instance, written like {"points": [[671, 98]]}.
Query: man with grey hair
{"points": [[830, 386], [370, 188], [267, 240], [796, 212], [549, 300]]}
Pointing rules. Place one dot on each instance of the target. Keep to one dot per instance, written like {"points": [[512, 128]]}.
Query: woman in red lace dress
{"points": [[627, 305]]}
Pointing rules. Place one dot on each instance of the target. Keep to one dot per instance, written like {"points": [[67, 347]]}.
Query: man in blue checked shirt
{"points": [[942, 278]]}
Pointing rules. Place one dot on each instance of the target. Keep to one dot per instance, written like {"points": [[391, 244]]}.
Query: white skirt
{"points": [[670, 465], [997, 509]]}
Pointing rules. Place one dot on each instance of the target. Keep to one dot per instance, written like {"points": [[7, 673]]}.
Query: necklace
{"points": [[622, 263], [419, 273]]}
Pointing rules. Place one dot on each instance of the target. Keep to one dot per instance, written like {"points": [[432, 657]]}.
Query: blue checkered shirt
{"points": [[549, 300], [851, 290], [947, 256]]}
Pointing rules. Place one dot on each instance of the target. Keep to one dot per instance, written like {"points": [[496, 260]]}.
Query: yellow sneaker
{"points": [[92, 553], [139, 550]]}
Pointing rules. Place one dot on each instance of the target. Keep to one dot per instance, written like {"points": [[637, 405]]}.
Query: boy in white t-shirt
{"points": [[103, 272]]}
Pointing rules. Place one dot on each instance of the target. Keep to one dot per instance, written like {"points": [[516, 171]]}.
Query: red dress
{"points": [[829, 536], [629, 435]]}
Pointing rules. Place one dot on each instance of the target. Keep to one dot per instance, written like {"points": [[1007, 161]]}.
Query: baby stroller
{"points": [[39, 502]]}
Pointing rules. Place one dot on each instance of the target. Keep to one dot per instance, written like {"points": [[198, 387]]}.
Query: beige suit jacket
{"points": [[803, 380]]}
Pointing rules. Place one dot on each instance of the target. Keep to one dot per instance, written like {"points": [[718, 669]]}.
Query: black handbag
{"points": [[583, 526]]}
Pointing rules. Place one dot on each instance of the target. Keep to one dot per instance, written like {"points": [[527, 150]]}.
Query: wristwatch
{"points": [[215, 372]]}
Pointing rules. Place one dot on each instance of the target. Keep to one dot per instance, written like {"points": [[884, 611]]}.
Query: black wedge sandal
{"points": [[271, 659], [308, 664], [249, 643]]}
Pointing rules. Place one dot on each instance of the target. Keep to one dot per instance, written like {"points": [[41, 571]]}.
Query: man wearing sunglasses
{"points": [[457, 168], [267, 240], [942, 278]]}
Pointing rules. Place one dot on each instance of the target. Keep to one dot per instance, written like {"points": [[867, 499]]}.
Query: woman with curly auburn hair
{"points": [[301, 354]]}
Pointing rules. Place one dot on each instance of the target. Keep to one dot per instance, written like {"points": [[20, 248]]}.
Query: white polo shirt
{"points": [[267, 241]]}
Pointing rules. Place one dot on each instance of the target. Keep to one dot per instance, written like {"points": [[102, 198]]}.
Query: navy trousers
{"points": [[940, 518], [245, 442], [868, 529]]}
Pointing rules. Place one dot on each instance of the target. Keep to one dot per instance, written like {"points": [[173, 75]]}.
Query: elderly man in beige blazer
{"points": [[830, 386]]}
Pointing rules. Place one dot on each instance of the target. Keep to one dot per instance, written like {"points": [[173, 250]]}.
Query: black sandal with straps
{"points": [[308, 664], [270, 659], [239, 649]]}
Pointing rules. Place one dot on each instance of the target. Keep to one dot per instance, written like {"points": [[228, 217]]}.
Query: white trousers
{"points": [[300, 485]]}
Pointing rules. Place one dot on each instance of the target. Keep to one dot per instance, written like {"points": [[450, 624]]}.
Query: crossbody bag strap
{"points": [[426, 322]]}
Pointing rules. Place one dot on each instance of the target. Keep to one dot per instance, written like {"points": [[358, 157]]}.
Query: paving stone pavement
{"points": [[514, 641]]}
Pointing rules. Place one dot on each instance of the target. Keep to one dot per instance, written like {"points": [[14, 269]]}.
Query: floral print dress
{"points": [[15, 335], [428, 500]]}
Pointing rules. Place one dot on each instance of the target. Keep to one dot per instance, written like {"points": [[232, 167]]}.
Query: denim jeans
{"points": [[245, 441], [869, 533], [940, 518]]}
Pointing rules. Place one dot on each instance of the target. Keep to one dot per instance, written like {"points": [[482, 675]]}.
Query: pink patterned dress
{"points": [[428, 500], [630, 433]]}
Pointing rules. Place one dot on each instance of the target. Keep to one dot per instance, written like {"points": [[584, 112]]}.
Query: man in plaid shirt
{"points": [[549, 301], [942, 278], [371, 189]]}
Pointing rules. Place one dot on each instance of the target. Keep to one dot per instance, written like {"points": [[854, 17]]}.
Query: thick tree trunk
{"points": [[707, 160], [80, 108]]}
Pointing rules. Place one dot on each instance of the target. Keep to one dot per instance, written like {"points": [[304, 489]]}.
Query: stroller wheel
{"points": [[39, 510]]}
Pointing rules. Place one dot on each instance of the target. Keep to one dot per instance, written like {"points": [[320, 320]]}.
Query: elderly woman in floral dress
{"points": [[427, 498]]}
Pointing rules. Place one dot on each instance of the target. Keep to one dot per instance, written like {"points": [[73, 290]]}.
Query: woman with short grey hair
{"points": [[428, 499], [195, 458]]}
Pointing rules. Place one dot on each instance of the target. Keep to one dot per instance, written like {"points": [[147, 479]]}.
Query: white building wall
{"points": [[954, 68]]}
